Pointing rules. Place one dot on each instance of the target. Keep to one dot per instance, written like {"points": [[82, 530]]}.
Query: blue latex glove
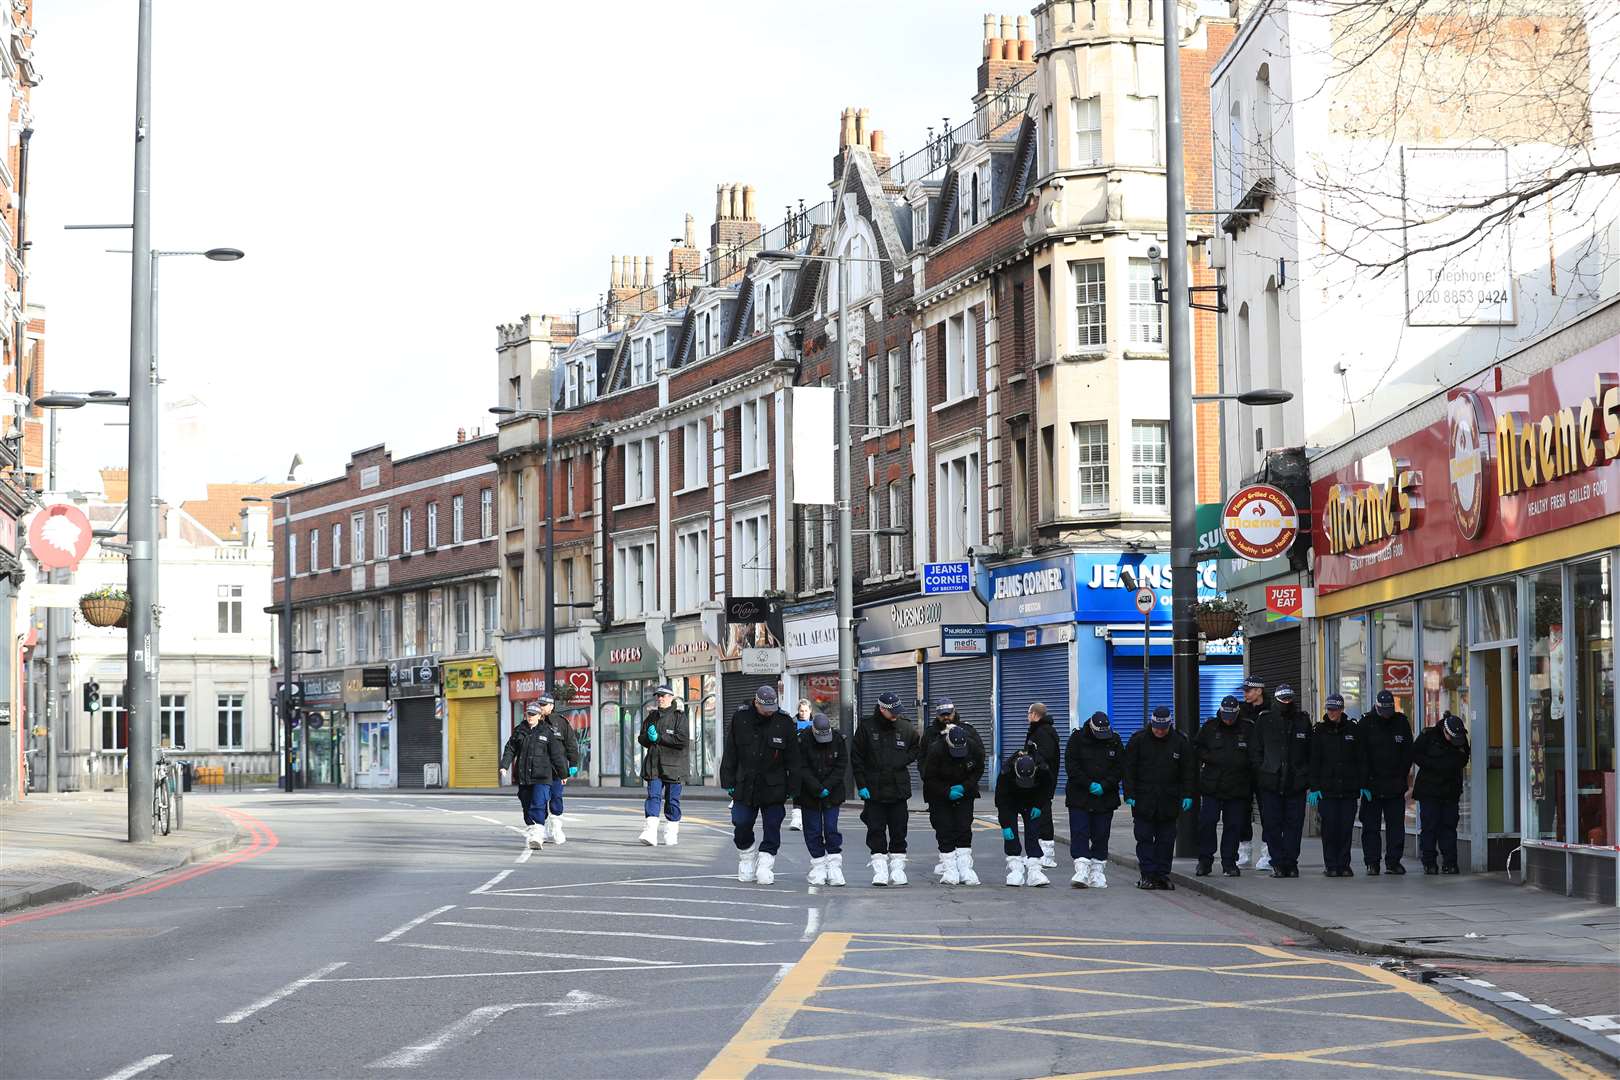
{"points": [[865, 793], [1313, 797], [731, 791], [1096, 788], [1008, 834], [1034, 812], [824, 793], [956, 792], [1366, 793], [652, 732], [1131, 803], [573, 770], [1186, 804]]}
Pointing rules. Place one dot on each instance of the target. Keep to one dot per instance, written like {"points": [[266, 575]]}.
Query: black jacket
{"points": [[940, 770], [534, 754], [1228, 758], [666, 758], [821, 765], [1159, 773], [565, 731], [1285, 750], [936, 728], [760, 760], [1012, 800], [1389, 753], [1042, 741], [1338, 764], [1441, 766], [882, 753], [1093, 758]]}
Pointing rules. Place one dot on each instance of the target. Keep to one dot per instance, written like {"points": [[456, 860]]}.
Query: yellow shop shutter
{"points": [[475, 751]]}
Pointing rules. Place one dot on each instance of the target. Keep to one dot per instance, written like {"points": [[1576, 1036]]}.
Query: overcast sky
{"points": [[405, 175]]}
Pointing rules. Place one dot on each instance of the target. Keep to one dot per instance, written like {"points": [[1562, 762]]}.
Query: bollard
{"points": [[179, 812]]}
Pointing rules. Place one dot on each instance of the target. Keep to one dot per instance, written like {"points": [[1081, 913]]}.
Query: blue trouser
{"points": [[1390, 812], [1031, 827], [1088, 833], [534, 798], [1338, 814], [1155, 845], [556, 791], [1230, 812], [664, 795], [742, 823], [1437, 831], [1282, 824], [821, 833]]}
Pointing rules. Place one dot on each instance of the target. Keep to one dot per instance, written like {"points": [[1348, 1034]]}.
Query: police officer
{"points": [[1020, 788], [1335, 775], [823, 759], [1042, 741], [1160, 774], [950, 777], [946, 716], [801, 719], [1095, 758], [663, 766], [886, 744], [561, 729], [758, 769], [1387, 735], [1252, 708], [1228, 756], [1441, 755], [1284, 734], [535, 758]]}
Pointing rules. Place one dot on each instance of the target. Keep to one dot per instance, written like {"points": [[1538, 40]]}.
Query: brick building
{"points": [[395, 592]]}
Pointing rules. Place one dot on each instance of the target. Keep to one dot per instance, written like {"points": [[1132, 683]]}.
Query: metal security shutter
{"points": [[967, 683], [1125, 690], [1274, 659], [1028, 676], [1215, 681], [737, 690], [899, 681], [421, 739], [475, 743]]}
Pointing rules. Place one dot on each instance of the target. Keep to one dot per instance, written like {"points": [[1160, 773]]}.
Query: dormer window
{"points": [[579, 386], [640, 361], [973, 196]]}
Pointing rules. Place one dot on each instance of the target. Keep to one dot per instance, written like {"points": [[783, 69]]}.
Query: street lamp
{"points": [[1264, 396], [846, 546]]}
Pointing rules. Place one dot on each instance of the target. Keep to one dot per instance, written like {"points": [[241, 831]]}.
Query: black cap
{"points": [[821, 728], [956, 741], [942, 706], [1161, 716], [889, 700], [1284, 692], [1454, 726], [1099, 721], [1229, 705], [1254, 684], [1335, 701], [765, 695], [1023, 770]]}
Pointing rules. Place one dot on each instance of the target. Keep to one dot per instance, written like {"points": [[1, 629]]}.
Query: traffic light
{"points": [[295, 693], [92, 697]]}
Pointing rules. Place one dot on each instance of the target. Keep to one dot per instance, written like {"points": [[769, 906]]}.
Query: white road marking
{"points": [[653, 966], [401, 931], [496, 880], [469, 1026], [599, 933], [640, 960], [286, 991], [139, 1067], [488, 820], [637, 915], [668, 883], [662, 900], [528, 853], [812, 923]]}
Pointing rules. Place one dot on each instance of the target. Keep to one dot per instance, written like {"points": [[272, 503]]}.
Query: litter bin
{"points": [[185, 776]]}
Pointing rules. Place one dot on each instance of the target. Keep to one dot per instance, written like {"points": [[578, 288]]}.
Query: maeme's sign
{"points": [[1364, 514], [1531, 452]]}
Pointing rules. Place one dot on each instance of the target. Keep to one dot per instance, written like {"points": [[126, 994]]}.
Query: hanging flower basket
{"points": [[1219, 617], [107, 606], [123, 620]]}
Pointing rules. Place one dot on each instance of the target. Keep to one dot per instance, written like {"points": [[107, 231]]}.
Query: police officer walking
{"points": [[1284, 734], [535, 758], [1387, 735], [1042, 741], [1228, 756], [563, 730], [1441, 754], [1337, 771], [1095, 758], [1160, 773], [823, 758], [758, 770], [663, 766], [886, 744]]}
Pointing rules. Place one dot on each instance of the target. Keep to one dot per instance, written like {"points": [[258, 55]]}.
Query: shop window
{"points": [[1592, 584], [1350, 633], [1444, 677], [1394, 670], [1548, 696], [1496, 609]]}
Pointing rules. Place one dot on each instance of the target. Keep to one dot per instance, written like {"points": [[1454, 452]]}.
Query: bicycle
{"points": [[162, 806]]}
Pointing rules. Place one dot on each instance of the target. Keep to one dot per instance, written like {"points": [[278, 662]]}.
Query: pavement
{"points": [[57, 847], [358, 934]]}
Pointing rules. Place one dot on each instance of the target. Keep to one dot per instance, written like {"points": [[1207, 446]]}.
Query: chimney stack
{"points": [[735, 234], [1009, 56]]}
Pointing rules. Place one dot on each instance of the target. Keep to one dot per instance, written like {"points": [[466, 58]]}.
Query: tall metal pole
{"points": [[846, 546], [51, 731], [154, 513], [1183, 463], [140, 664], [551, 561], [288, 662]]}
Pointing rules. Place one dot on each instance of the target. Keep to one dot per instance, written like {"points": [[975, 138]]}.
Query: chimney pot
{"points": [[1023, 28], [877, 143], [990, 25], [616, 277], [863, 122], [748, 202], [1026, 50], [1007, 31], [461, 435], [846, 129], [719, 201], [691, 240]]}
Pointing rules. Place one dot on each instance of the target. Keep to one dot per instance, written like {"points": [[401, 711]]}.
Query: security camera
{"points": [[1154, 253]]}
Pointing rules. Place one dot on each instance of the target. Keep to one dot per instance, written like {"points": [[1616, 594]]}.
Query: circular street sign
{"points": [[59, 536], [1145, 600], [1260, 522]]}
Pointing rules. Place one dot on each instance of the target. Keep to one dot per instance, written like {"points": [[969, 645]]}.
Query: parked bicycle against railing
{"points": [[164, 774]]}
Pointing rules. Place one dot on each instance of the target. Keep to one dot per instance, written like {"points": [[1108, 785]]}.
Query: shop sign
{"points": [[1033, 592], [319, 689], [529, 685], [762, 661], [687, 650], [1211, 534], [906, 625], [752, 622], [358, 690], [946, 577], [1517, 463], [1260, 522], [59, 536], [1288, 602], [625, 655], [1399, 678], [472, 678], [1101, 594], [812, 639], [964, 641], [413, 676]]}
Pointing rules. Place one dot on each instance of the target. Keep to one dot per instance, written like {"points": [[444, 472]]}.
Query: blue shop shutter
{"points": [[1028, 676], [1215, 681], [1125, 691]]}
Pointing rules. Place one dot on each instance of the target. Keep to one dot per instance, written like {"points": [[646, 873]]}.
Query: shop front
{"points": [[1466, 564], [575, 695], [901, 651], [367, 735], [812, 660], [417, 715], [626, 673], [1032, 607], [472, 701], [690, 668], [318, 730]]}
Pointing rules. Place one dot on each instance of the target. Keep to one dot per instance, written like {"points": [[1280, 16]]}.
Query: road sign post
{"points": [[1146, 601]]}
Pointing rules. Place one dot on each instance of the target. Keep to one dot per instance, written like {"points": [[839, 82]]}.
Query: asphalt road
{"points": [[367, 936]]}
